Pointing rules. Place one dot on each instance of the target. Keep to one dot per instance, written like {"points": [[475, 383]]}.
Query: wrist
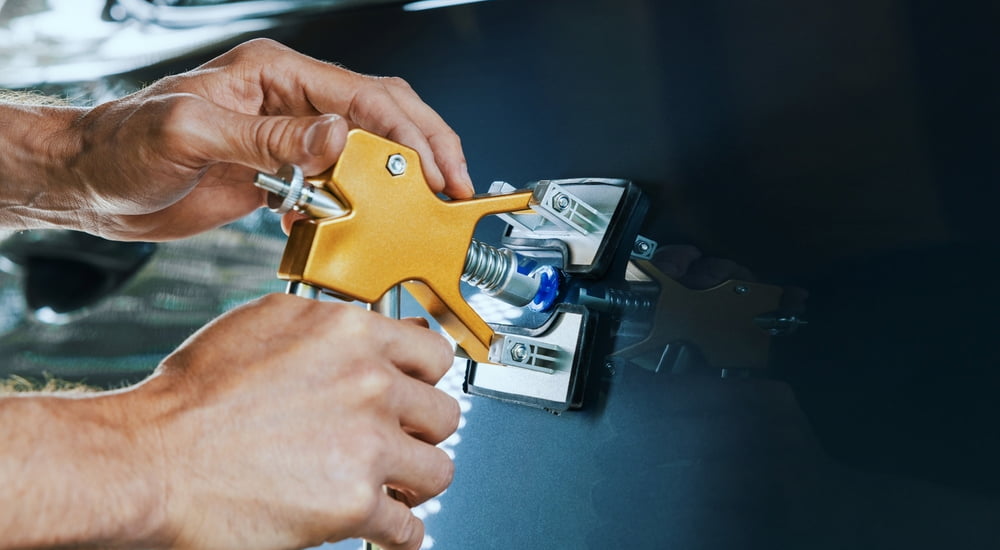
{"points": [[84, 472], [40, 143], [139, 483]]}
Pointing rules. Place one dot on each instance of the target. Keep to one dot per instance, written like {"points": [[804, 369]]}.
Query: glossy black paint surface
{"points": [[843, 147]]}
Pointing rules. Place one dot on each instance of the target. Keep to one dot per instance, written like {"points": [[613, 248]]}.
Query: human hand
{"points": [[179, 157], [279, 424]]}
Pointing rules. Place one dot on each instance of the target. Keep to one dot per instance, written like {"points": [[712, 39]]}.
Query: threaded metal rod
{"points": [[494, 271], [486, 267]]}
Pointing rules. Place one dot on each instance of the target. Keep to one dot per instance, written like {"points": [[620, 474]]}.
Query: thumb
{"points": [[267, 142]]}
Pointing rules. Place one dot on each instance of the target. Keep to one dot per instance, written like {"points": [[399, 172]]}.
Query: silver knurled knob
{"points": [[289, 191]]}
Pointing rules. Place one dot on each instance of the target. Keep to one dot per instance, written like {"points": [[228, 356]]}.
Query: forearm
{"points": [[74, 475], [39, 143]]}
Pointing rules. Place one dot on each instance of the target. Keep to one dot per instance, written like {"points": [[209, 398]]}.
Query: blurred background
{"points": [[845, 147]]}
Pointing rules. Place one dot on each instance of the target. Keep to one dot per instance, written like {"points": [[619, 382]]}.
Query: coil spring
{"points": [[487, 267]]}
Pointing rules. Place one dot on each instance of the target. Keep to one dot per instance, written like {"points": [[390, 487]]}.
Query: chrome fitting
{"points": [[288, 190]]}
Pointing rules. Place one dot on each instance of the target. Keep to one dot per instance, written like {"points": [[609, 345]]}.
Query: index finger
{"points": [[386, 106], [393, 526], [442, 138], [417, 351]]}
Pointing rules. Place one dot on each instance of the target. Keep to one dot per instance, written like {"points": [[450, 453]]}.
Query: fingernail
{"points": [[318, 135]]}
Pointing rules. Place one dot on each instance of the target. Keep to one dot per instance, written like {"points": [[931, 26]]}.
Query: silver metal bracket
{"points": [[586, 229], [539, 369], [573, 214], [644, 248], [561, 206], [528, 353]]}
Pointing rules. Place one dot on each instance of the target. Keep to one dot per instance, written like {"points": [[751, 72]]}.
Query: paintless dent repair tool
{"points": [[576, 278]]}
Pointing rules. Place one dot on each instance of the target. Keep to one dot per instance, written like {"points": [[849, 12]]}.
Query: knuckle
{"points": [[360, 503], [250, 55], [371, 379], [454, 415], [285, 310], [274, 134], [444, 362], [171, 122], [447, 352], [274, 297], [177, 113], [443, 472], [405, 532], [256, 47], [358, 322], [396, 82], [345, 323], [447, 139], [371, 99], [276, 300]]}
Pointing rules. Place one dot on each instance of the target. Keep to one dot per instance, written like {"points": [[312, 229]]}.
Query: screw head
{"points": [[641, 247], [741, 289], [396, 165], [519, 352], [560, 202]]}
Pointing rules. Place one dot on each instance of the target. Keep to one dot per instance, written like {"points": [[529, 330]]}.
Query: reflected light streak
{"points": [[451, 383], [421, 5], [493, 310]]}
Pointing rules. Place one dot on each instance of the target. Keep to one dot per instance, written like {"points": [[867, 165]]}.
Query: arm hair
{"points": [[30, 98], [18, 384]]}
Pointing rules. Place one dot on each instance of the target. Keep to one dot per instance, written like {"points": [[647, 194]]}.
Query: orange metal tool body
{"points": [[396, 231]]}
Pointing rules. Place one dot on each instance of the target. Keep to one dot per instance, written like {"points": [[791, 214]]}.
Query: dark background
{"points": [[846, 147]]}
